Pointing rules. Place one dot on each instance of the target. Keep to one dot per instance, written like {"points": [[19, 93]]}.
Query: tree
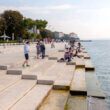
{"points": [[11, 22], [39, 36], [14, 22], [47, 33], [28, 23], [41, 24]]}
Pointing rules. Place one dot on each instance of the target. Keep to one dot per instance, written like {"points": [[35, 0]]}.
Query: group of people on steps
{"points": [[40, 52], [74, 46]]}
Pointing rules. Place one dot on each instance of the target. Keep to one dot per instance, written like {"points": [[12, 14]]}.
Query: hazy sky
{"points": [[90, 19]]}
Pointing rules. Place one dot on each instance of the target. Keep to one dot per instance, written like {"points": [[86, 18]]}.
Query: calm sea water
{"points": [[100, 54]]}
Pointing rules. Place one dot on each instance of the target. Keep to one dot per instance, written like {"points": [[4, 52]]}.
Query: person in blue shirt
{"points": [[26, 54]]}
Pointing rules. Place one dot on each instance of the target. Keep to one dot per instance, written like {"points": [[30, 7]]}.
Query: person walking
{"points": [[42, 47], [38, 50], [26, 54], [79, 46], [52, 45]]}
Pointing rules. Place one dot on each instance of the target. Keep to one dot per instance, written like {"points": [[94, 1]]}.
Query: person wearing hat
{"points": [[26, 54], [42, 48]]}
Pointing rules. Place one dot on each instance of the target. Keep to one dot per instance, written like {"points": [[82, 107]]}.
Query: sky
{"points": [[90, 19]]}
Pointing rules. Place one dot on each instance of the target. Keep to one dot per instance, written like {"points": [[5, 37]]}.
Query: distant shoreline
{"points": [[85, 40]]}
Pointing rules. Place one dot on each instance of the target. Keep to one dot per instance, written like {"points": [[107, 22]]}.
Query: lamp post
{"points": [[13, 37]]}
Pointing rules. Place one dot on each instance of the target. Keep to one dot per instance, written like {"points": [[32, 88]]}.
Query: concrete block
{"points": [[89, 65], [61, 61], [29, 77], [3, 67], [46, 80], [80, 55], [78, 85], [87, 57], [70, 63], [80, 65], [53, 58], [14, 72], [84, 52], [61, 50], [79, 92], [62, 85], [79, 62], [46, 55]]}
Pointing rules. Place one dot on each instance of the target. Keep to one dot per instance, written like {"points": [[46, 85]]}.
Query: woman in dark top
{"points": [[42, 47], [38, 50]]}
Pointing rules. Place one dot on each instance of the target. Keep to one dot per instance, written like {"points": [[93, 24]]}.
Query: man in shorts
{"points": [[26, 54]]}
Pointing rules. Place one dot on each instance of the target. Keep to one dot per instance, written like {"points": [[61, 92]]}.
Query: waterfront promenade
{"points": [[48, 84]]}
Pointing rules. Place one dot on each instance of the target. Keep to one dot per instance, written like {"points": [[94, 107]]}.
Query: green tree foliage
{"points": [[11, 22], [39, 36], [28, 23], [41, 24], [30, 35], [47, 33], [14, 22]]}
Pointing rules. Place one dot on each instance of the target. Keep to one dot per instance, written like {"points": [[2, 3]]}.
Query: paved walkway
{"points": [[46, 84]]}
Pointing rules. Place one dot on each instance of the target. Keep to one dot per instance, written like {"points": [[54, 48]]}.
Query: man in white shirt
{"points": [[26, 54]]}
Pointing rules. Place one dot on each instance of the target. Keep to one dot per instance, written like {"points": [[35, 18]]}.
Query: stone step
{"points": [[61, 50], [78, 85], [3, 73], [93, 86], [29, 77], [77, 103], [56, 56], [7, 81], [3, 67], [64, 79], [14, 71], [79, 62], [89, 65], [33, 99], [71, 63], [51, 74], [20, 70], [96, 104], [41, 69], [53, 58], [53, 55], [86, 56], [46, 80], [55, 101], [14, 93]]}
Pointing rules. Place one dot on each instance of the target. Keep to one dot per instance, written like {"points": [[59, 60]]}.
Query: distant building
{"points": [[74, 36], [58, 34], [33, 30], [61, 34]]}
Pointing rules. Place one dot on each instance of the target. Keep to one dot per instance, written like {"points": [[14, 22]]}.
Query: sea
{"points": [[99, 50]]}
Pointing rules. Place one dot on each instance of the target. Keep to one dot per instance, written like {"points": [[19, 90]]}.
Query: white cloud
{"points": [[34, 10], [87, 23], [37, 10], [60, 7]]}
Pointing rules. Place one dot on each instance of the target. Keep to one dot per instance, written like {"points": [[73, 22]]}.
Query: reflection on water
{"points": [[100, 54]]}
